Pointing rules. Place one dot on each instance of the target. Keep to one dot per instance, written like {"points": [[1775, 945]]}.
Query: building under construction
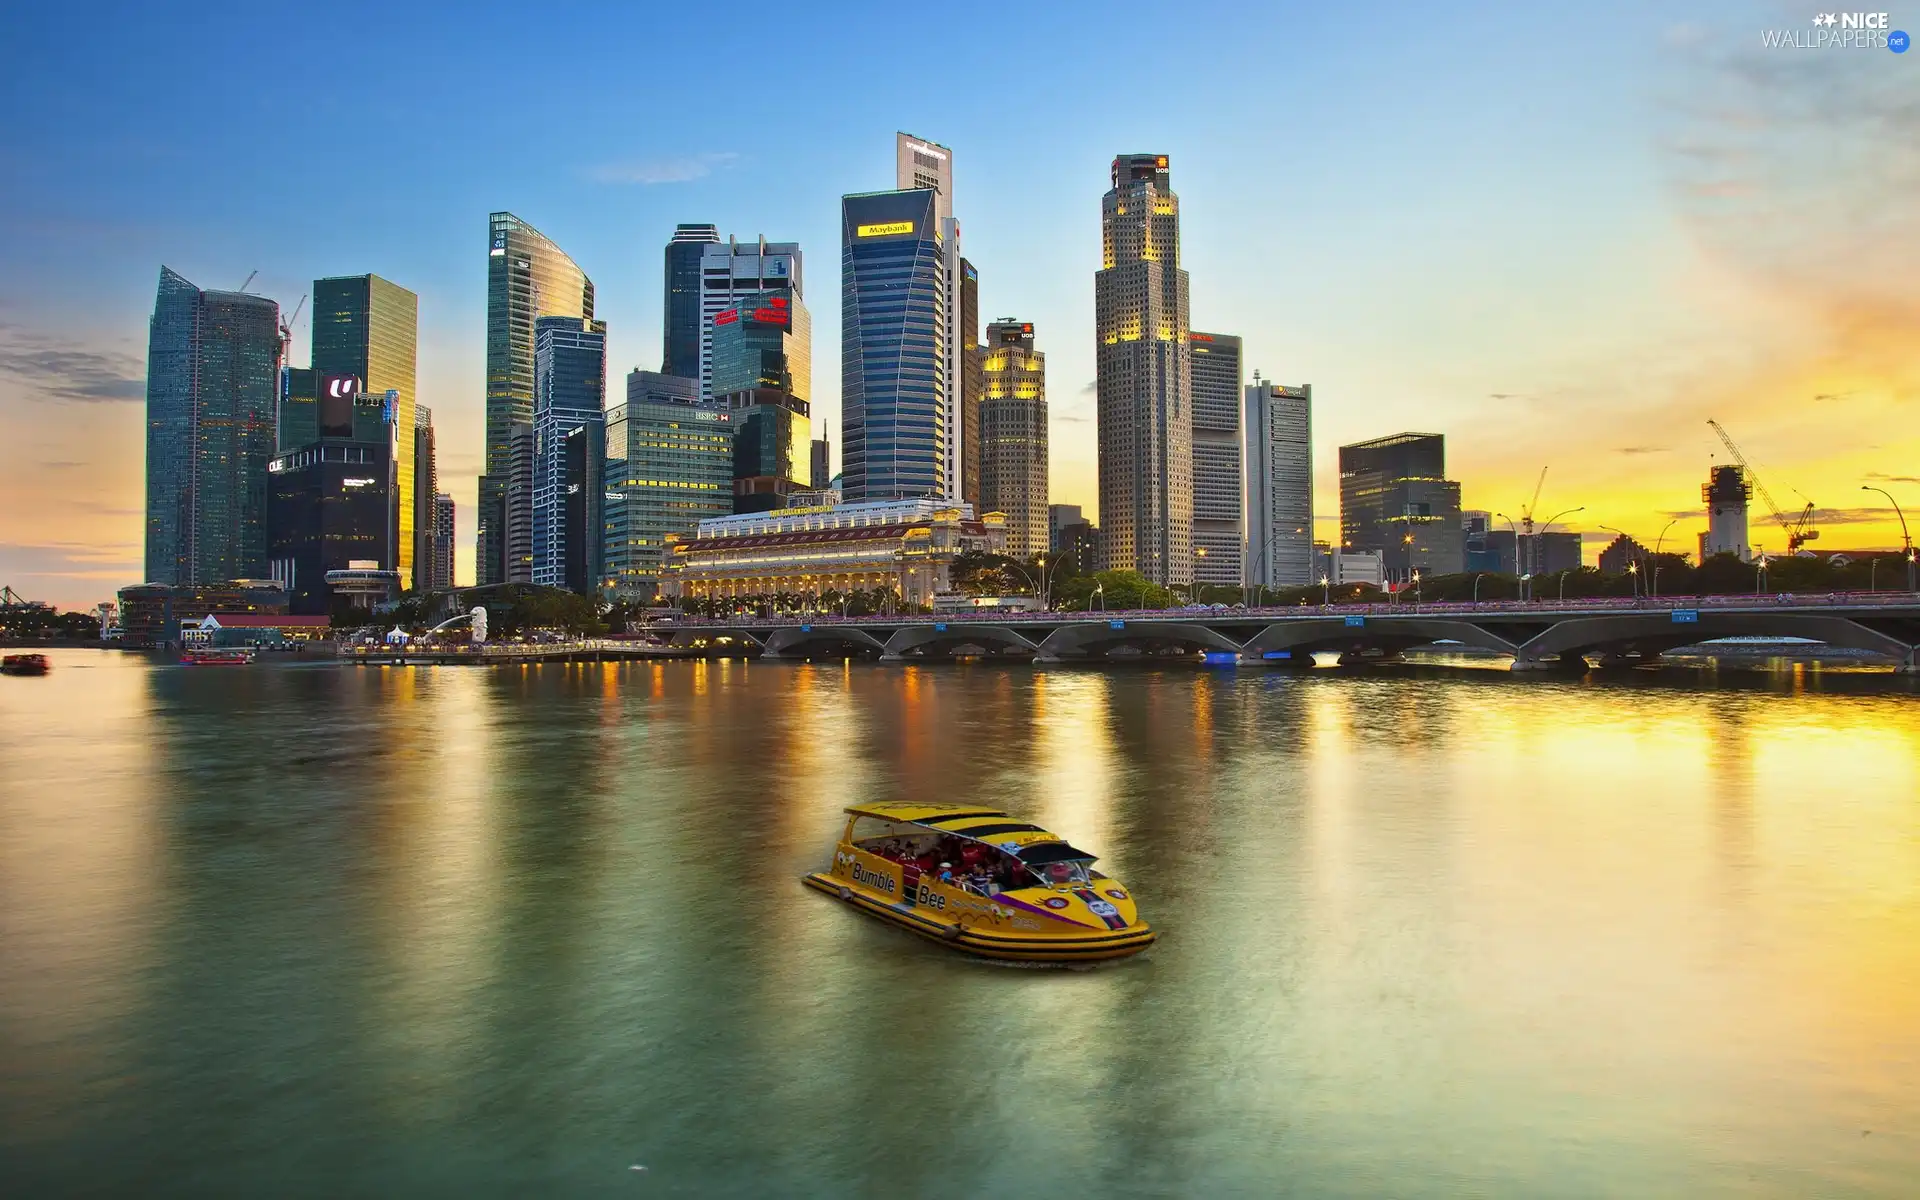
{"points": [[1726, 493]]}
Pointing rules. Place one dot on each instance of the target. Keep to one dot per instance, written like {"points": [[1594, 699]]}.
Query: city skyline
{"points": [[1581, 284]]}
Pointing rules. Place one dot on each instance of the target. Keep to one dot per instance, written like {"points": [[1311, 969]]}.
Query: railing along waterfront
{"points": [[1766, 602]]}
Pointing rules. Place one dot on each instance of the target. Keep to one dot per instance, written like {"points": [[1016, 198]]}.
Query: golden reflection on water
{"points": [[1448, 933], [81, 887]]}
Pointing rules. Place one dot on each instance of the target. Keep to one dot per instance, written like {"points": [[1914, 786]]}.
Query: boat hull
{"points": [[1046, 949]]}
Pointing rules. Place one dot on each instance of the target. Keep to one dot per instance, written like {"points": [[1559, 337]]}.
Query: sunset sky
{"points": [[1562, 235]]}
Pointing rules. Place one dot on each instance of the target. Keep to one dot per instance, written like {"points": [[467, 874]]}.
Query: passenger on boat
{"points": [[980, 881]]}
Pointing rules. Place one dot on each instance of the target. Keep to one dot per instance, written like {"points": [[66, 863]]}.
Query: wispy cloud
{"points": [[684, 169], [1643, 450], [51, 371], [1090, 388], [1885, 478]]}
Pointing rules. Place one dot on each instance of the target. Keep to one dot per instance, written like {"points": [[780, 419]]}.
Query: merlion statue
{"points": [[479, 624]]}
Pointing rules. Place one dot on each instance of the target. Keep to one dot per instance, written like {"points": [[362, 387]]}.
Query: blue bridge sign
{"points": [[939, 626], [806, 629], [1686, 616], [1116, 624], [1356, 622]]}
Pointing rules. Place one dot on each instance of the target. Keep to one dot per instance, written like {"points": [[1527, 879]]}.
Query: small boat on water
{"points": [[984, 882], [216, 658], [25, 664]]}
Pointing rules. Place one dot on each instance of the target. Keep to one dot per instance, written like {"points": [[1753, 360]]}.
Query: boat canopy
{"points": [[1030, 843]]}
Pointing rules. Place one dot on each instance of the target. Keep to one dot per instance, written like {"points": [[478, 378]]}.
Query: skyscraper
{"points": [[921, 164], [1013, 435], [1144, 374], [680, 348], [1396, 500], [367, 327], [1218, 501], [669, 466], [731, 274], [527, 277], [443, 534], [894, 430], [1279, 484], [426, 484], [333, 496], [763, 375], [211, 389], [973, 383], [822, 462], [570, 393]]}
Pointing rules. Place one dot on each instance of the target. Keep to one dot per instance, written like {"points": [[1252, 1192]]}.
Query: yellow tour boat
{"points": [[982, 881]]}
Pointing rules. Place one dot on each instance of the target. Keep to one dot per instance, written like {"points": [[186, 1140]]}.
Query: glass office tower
{"points": [[212, 386], [1013, 435], [528, 277], [368, 328], [893, 432], [763, 375], [333, 497], [680, 348], [669, 467], [1395, 499], [570, 392]]}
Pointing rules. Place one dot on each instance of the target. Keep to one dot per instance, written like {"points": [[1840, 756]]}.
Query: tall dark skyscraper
{"points": [[893, 321], [570, 392], [212, 380], [1145, 377], [528, 277], [443, 522], [1279, 483], [822, 463], [334, 495], [973, 382], [1395, 498], [680, 349], [426, 485], [1217, 485], [368, 328]]}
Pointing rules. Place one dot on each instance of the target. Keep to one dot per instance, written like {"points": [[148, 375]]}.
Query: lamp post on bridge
{"points": [[1326, 590], [1477, 576], [1906, 542], [1654, 582], [1547, 526]]}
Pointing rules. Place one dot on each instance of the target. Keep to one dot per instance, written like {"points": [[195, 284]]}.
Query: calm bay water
{"points": [[300, 930]]}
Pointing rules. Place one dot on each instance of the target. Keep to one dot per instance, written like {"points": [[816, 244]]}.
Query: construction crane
{"points": [[1799, 529], [243, 287], [286, 330], [1533, 505]]}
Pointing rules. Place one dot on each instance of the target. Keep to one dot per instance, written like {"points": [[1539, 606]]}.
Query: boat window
{"points": [[1065, 873]]}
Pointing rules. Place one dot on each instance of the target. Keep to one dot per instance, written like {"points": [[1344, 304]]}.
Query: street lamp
{"points": [[1326, 590], [1655, 581], [1759, 573], [1416, 585], [1100, 594], [1193, 593], [1633, 569], [1906, 542], [1516, 540], [1549, 525], [1476, 588], [1526, 588]]}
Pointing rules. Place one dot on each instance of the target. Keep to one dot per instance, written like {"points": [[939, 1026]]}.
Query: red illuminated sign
{"points": [[727, 318], [1200, 337], [770, 316], [776, 301]]}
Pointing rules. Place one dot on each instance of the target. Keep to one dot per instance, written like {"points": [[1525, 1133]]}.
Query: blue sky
{"points": [[1559, 234]]}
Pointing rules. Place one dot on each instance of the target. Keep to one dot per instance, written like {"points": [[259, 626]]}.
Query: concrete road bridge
{"points": [[1538, 636]]}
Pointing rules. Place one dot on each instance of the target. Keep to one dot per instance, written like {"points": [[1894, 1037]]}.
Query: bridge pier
{"points": [[1911, 664]]}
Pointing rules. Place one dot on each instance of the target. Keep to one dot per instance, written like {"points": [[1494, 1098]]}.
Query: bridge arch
{"points": [[1657, 632], [1090, 639], [923, 637], [789, 641], [1388, 633]]}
